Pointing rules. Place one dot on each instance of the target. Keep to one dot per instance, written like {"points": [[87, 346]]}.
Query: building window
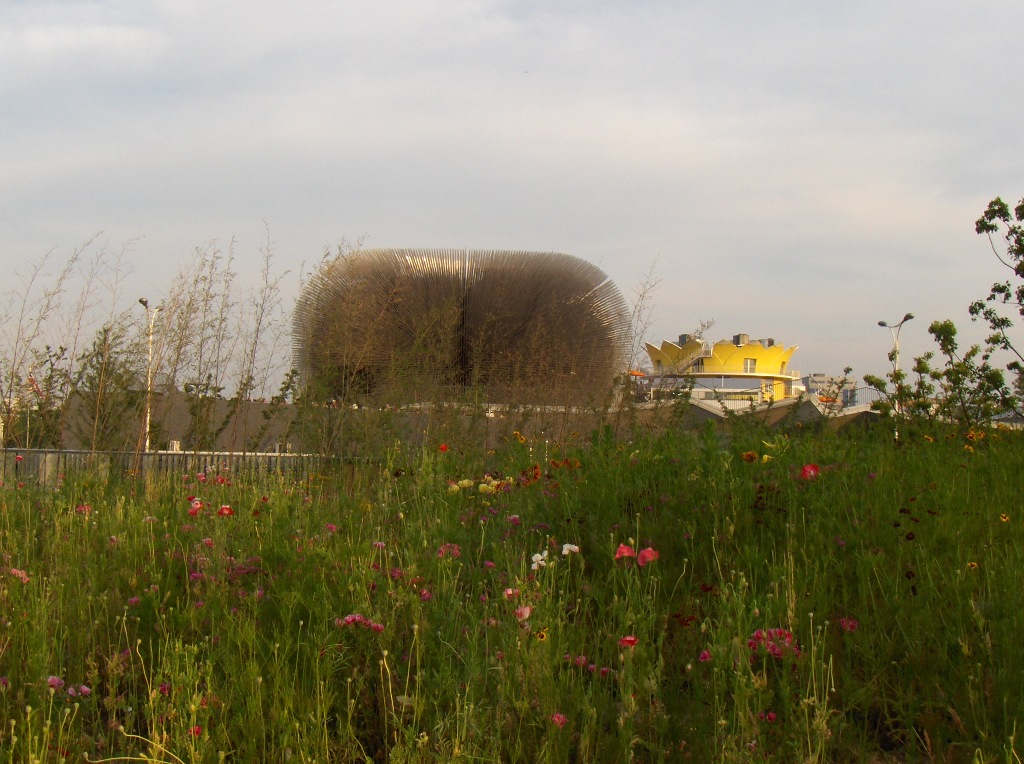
{"points": [[699, 365], [749, 365]]}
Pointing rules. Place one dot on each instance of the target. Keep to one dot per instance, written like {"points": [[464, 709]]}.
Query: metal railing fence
{"points": [[34, 465]]}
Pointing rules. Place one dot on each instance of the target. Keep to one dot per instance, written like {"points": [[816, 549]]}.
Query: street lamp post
{"points": [[151, 315], [894, 330]]}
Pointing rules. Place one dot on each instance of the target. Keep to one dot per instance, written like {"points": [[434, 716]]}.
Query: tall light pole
{"points": [[894, 330], [151, 315]]}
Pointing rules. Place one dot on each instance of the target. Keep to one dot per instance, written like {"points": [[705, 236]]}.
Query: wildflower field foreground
{"points": [[752, 596]]}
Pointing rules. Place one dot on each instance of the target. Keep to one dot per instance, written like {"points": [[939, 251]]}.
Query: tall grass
{"points": [[813, 597]]}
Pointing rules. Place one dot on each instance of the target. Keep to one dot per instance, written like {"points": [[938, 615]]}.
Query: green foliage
{"points": [[276, 409], [972, 391], [969, 388], [813, 598], [203, 428], [109, 391], [38, 421], [901, 395], [998, 222]]}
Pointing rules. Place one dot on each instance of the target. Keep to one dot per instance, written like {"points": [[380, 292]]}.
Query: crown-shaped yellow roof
{"points": [[724, 357]]}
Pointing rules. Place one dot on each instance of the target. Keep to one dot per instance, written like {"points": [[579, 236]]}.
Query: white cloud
{"points": [[786, 163]]}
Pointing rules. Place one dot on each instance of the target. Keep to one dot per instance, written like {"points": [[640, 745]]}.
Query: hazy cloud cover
{"points": [[793, 169]]}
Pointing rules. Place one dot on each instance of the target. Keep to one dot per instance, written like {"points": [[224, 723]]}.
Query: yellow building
{"points": [[737, 373]]}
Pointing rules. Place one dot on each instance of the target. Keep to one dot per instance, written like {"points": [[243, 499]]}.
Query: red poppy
{"points": [[225, 511], [810, 472], [628, 641], [624, 550], [443, 448], [647, 555]]}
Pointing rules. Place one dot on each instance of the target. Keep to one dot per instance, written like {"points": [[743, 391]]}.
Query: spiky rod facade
{"points": [[431, 323]]}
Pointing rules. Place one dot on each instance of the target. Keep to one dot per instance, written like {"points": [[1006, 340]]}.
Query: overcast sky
{"points": [[795, 169]]}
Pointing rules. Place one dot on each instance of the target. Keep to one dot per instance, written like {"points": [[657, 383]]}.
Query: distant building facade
{"points": [[737, 373], [831, 390]]}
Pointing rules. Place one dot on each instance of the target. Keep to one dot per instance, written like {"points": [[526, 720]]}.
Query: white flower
{"points": [[570, 549], [539, 560]]}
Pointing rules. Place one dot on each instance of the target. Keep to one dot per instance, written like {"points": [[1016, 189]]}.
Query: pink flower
{"points": [[18, 457], [646, 555], [770, 717], [55, 682], [624, 551], [425, 595], [705, 656], [523, 612], [777, 643], [330, 527], [195, 731], [20, 575], [510, 593], [376, 544], [451, 550], [848, 624], [208, 542], [810, 472], [559, 720], [628, 641]]}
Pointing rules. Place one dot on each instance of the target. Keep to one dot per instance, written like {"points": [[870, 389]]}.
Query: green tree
{"points": [[38, 420], [906, 397], [972, 390], [109, 393], [1005, 231]]}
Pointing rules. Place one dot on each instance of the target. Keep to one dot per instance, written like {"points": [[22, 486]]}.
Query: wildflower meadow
{"points": [[721, 595]]}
